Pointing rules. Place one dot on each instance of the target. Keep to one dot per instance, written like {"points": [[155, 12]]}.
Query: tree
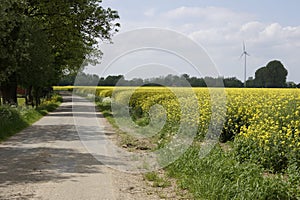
{"points": [[276, 74], [71, 29], [37, 72], [250, 82], [232, 82], [111, 80], [13, 47], [261, 77], [74, 28], [291, 84], [273, 75], [197, 82]]}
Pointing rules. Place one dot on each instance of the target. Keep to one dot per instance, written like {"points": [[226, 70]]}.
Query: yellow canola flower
{"points": [[264, 115]]}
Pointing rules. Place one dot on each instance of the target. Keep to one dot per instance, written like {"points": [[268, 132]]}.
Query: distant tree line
{"points": [[273, 75], [169, 80]]}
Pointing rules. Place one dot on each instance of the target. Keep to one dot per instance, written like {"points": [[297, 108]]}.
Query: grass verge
{"points": [[220, 175], [14, 120], [156, 180], [125, 140]]}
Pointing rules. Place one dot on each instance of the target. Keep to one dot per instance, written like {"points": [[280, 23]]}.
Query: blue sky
{"points": [[270, 29]]}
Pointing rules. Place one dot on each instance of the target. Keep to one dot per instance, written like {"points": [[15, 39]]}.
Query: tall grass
{"points": [[221, 176]]}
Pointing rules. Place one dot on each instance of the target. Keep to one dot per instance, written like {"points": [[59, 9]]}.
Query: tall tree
{"points": [[261, 77], [74, 27], [37, 72], [232, 82], [276, 74], [13, 47], [273, 75], [72, 30]]}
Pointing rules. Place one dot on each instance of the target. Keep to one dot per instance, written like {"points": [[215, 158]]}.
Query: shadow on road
{"points": [[50, 150]]}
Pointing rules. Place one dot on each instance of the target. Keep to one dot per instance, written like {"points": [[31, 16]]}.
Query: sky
{"points": [[269, 29]]}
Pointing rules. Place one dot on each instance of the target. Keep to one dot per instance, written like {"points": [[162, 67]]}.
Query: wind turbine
{"points": [[245, 54]]}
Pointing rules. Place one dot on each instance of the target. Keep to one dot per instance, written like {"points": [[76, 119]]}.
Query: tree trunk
{"points": [[37, 96], [29, 96], [9, 91]]}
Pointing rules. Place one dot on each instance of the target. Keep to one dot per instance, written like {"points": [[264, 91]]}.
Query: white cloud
{"points": [[206, 15], [221, 31], [277, 35], [200, 12], [251, 29]]}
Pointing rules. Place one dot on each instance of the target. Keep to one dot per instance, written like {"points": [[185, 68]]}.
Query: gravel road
{"points": [[48, 161]]}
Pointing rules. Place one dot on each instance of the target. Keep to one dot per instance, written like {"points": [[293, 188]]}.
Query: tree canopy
{"points": [[39, 39], [273, 75]]}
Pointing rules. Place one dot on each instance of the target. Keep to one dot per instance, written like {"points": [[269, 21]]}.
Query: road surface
{"points": [[48, 161]]}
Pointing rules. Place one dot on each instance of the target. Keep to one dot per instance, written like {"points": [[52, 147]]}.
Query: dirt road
{"points": [[48, 161]]}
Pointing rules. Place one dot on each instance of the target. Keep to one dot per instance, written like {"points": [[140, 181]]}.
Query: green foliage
{"points": [[275, 158], [293, 180], [13, 42], [14, 119], [272, 76], [220, 176], [110, 80], [37, 70], [73, 27], [156, 180], [40, 39], [232, 82]]}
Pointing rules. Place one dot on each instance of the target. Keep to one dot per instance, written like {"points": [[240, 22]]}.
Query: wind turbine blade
{"points": [[244, 47], [242, 55]]}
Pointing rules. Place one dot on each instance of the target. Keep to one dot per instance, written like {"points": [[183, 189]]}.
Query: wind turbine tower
{"points": [[245, 54]]}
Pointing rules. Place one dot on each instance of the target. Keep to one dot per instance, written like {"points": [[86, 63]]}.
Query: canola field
{"points": [[263, 124], [257, 133]]}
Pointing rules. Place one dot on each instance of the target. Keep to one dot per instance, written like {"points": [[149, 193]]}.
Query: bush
{"points": [[14, 120], [11, 121]]}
